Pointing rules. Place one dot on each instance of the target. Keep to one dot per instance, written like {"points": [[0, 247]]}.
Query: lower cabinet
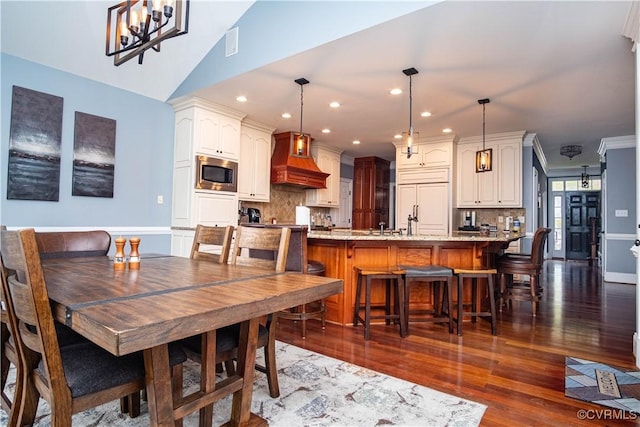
{"points": [[430, 205]]}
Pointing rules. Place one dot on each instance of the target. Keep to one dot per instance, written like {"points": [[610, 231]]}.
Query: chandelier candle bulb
{"points": [[119, 258], [134, 256]]}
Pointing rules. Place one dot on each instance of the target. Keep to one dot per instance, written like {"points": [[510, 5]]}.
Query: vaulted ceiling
{"points": [[562, 70]]}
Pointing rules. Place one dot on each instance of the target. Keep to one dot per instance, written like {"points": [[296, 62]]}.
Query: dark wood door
{"points": [[580, 206]]}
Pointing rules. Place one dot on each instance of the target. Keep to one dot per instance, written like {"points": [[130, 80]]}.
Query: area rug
{"points": [[315, 390], [602, 384]]}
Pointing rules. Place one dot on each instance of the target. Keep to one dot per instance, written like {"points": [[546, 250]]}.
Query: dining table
{"points": [[169, 298]]}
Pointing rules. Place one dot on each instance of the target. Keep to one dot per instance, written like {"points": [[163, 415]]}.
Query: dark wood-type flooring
{"points": [[519, 374]]}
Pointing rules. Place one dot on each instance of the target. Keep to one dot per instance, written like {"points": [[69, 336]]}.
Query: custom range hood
{"points": [[291, 162]]}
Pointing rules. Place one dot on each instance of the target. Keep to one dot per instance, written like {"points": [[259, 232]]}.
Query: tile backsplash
{"points": [[492, 216]]}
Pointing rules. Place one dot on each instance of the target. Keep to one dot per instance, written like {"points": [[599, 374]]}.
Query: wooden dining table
{"points": [[170, 298]]}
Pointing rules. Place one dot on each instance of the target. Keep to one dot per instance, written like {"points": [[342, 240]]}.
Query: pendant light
{"points": [[585, 177], [302, 140], [410, 136], [483, 157]]}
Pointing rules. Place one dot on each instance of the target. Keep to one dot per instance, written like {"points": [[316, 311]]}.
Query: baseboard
{"points": [[620, 277]]}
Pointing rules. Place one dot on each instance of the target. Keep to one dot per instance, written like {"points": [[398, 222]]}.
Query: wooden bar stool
{"points": [[442, 297], [474, 275], [389, 274]]}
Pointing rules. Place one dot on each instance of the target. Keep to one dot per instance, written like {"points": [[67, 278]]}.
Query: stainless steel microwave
{"points": [[216, 174]]}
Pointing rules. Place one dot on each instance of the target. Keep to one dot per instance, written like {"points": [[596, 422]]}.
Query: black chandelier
{"points": [[137, 29], [585, 177]]}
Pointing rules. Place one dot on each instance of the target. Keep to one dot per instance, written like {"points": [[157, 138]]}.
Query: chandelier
{"points": [[137, 29], [585, 177], [409, 136], [570, 151], [484, 156]]}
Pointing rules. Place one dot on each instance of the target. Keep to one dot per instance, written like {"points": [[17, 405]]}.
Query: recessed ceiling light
{"points": [[334, 104], [395, 91], [447, 130], [241, 98], [326, 130], [397, 136], [425, 114], [356, 142], [286, 115]]}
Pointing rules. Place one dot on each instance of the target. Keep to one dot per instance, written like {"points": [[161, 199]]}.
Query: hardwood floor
{"points": [[518, 374]]}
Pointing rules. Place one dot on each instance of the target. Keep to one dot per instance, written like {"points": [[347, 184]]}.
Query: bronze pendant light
{"points": [[410, 136], [484, 157]]}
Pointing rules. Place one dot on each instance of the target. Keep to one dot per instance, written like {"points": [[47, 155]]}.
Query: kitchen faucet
{"points": [[410, 220], [381, 224]]}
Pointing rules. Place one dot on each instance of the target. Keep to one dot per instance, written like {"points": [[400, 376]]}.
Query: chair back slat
{"points": [[28, 300], [212, 236], [262, 239]]}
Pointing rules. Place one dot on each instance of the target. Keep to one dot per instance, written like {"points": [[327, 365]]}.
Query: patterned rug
{"points": [[605, 385], [315, 390]]}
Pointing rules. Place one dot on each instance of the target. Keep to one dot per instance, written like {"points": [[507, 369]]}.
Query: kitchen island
{"points": [[340, 251]]}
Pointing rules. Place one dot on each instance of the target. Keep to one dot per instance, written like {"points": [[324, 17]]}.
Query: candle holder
{"points": [[134, 256]]}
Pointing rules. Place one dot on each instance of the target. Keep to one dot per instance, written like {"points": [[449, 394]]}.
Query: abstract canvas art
{"points": [[94, 151], [34, 145]]}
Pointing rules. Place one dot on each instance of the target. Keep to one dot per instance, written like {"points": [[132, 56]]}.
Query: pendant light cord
{"points": [[410, 107], [483, 124], [301, 103]]}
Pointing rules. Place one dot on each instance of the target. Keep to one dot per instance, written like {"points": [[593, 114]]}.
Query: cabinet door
{"points": [[253, 168], [436, 155], [328, 162], [216, 209], [403, 162], [406, 200], [229, 140], [510, 174], [467, 184], [432, 202], [487, 186]]}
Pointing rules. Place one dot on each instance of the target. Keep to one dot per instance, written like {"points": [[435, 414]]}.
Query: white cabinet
{"points": [[429, 202], [328, 160], [500, 187], [213, 130], [255, 162], [428, 153]]}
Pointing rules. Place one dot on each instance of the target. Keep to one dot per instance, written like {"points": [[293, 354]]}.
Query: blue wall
{"points": [[144, 157]]}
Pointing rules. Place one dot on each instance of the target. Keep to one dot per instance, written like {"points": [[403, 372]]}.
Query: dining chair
{"points": [[71, 378], [259, 240], [207, 236], [530, 265]]}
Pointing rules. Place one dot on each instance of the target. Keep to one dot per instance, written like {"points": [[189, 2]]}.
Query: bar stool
{"points": [[435, 275], [474, 275], [389, 274], [302, 313]]}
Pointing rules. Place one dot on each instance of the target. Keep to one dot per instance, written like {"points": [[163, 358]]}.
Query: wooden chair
{"points": [[227, 338], [70, 378], [524, 264], [212, 236]]}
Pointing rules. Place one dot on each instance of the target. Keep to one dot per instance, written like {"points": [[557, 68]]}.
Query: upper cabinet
{"points": [[328, 160], [254, 168], [427, 153], [214, 129], [500, 187]]}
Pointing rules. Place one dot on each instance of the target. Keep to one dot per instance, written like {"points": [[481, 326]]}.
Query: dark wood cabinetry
{"points": [[370, 192]]}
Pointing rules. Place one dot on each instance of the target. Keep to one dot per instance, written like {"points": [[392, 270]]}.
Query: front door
{"points": [[580, 206]]}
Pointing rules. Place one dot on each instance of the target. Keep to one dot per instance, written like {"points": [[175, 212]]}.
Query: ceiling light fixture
{"points": [[571, 151], [484, 156], [585, 177], [132, 29], [302, 139], [410, 135]]}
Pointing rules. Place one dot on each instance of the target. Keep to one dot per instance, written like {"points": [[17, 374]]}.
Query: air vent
{"points": [[231, 42]]}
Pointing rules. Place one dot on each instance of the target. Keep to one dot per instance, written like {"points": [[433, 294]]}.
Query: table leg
{"points": [[241, 409], [158, 381], [207, 374]]}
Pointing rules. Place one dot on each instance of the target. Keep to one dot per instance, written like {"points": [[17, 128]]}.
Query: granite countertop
{"points": [[451, 237]]}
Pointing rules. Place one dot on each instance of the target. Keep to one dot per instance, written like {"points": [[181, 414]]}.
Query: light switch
{"points": [[160, 199], [622, 212]]}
